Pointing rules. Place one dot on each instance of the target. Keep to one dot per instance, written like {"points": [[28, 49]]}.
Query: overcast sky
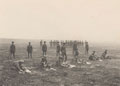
{"points": [[92, 20]]}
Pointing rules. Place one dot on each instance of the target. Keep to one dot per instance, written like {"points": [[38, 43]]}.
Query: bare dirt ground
{"points": [[98, 73]]}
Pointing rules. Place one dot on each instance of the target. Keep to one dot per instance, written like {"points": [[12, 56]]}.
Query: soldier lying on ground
{"points": [[20, 67], [92, 56]]}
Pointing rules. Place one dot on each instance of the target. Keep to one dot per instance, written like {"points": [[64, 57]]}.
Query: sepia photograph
{"points": [[59, 42]]}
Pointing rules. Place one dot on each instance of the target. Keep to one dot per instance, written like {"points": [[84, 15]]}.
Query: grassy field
{"points": [[98, 73]]}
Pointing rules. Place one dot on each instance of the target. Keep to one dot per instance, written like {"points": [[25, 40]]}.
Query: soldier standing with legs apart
{"points": [[44, 48], [63, 51], [29, 50], [12, 50]]}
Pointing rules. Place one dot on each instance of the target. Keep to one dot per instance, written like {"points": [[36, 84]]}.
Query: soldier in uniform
{"points": [[104, 55], [92, 56], [58, 49], [74, 48], [29, 50], [19, 65], [12, 50], [44, 62], [63, 51], [86, 48], [44, 48]]}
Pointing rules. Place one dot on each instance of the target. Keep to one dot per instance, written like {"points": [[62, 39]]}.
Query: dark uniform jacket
{"points": [[29, 49], [44, 47], [12, 49], [75, 47]]}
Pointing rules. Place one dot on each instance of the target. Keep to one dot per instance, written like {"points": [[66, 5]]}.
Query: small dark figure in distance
{"points": [[12, 50], [29, 50], [86, 48], [58, 49]]}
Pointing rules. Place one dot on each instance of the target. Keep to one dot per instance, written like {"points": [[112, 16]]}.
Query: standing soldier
{"points": [[58, 49], [44, 48], [63, 51], [74, 47], [75, 51], [29, 50], [86, 48], [12, 50]]}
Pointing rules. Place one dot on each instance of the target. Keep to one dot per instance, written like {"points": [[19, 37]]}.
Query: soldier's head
{"points": [[29, 43], [12, 42]]}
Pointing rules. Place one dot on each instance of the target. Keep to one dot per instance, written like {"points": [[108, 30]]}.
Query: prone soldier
{"points": [[19, 65]]}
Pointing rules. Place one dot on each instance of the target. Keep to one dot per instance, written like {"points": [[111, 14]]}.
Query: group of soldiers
{"points": [[60, 49], [53, 43], [29, 49], [104, 55], [60, 52]]}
